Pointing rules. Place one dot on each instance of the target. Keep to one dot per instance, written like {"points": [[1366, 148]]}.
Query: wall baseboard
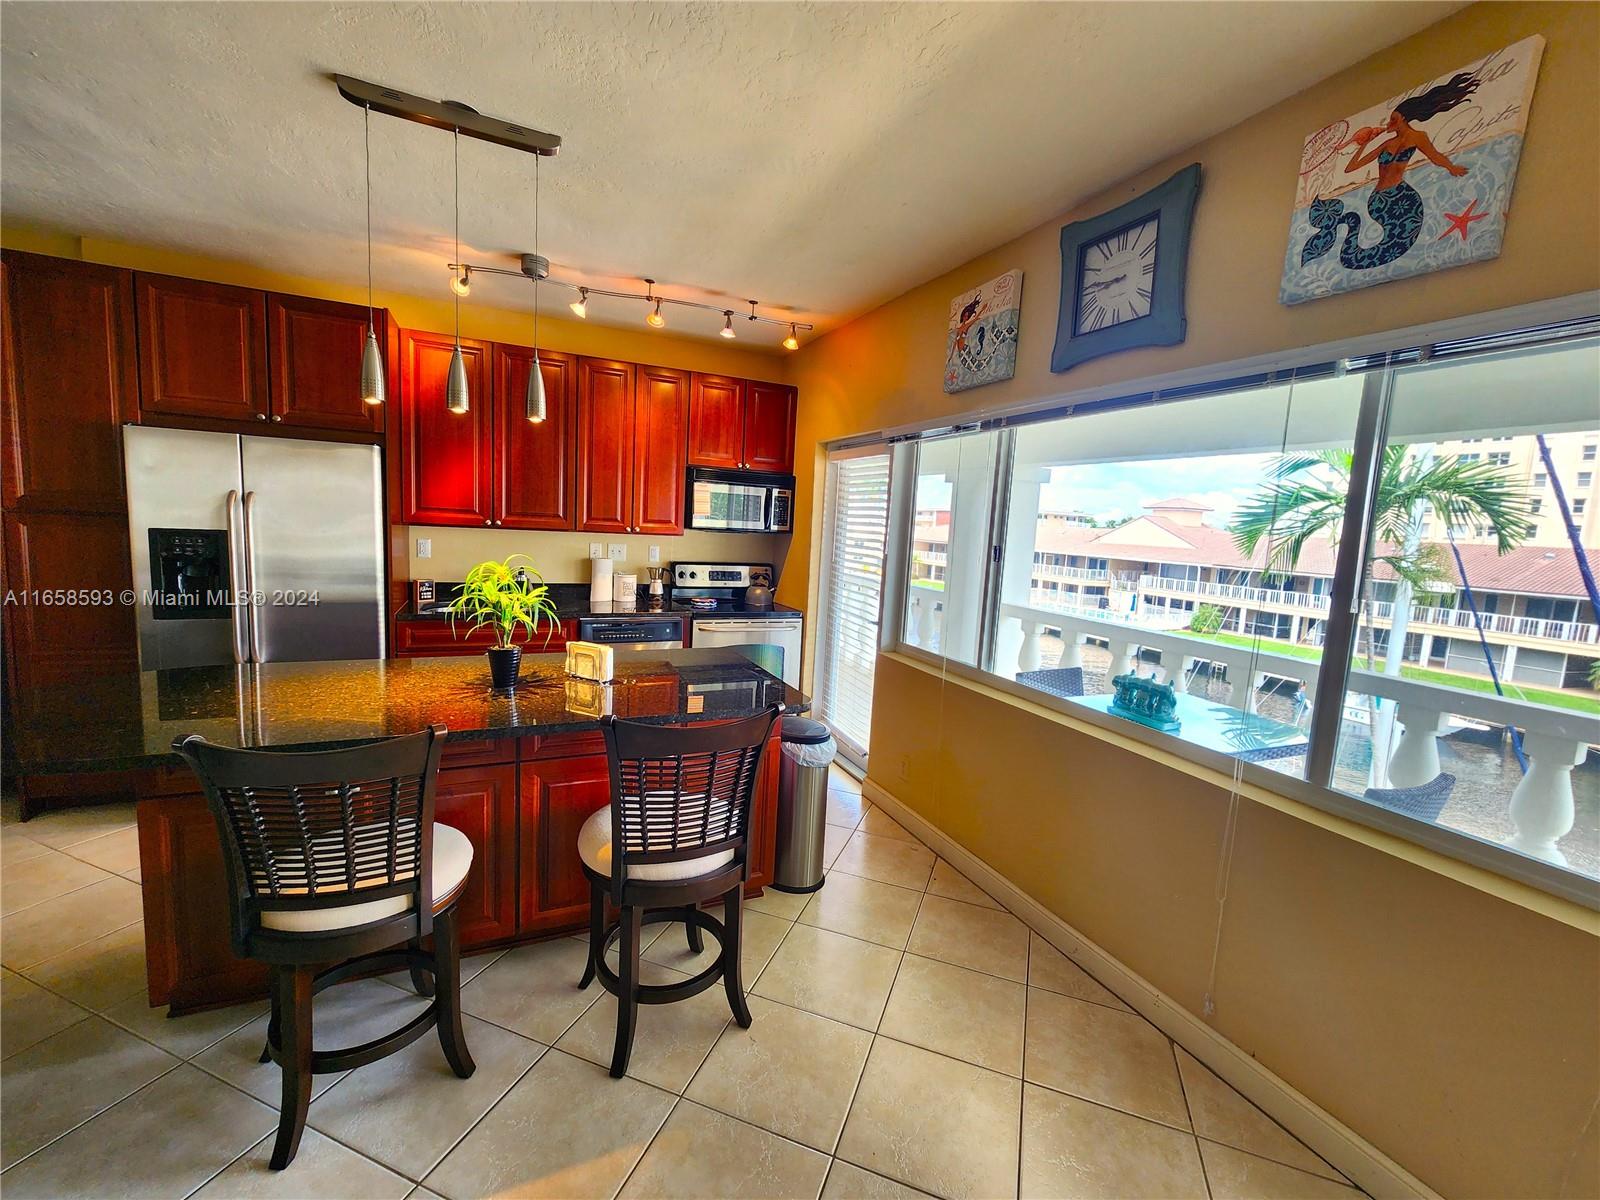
{"points": [[1363, 1163]]}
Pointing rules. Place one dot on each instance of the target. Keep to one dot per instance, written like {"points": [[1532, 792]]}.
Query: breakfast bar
{"points": [[521, 772]]}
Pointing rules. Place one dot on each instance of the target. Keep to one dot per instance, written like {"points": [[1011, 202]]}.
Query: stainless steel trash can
{"points": [[808, 749]]}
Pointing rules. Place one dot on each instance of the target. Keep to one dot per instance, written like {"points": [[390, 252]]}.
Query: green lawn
{"points": [[1469, 683]]}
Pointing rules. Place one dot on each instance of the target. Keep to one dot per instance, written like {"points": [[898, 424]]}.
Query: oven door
{"points": [[719, 504]]}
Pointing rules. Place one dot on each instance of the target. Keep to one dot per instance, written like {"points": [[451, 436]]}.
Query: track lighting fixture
{"points": [[580, 306], [792, 342], [372, 386], [461, 281], [727, 324], [455, 390], [655, 320]]}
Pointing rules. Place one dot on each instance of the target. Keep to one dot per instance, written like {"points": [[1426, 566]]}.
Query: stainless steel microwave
{"points": [[740, 501]]}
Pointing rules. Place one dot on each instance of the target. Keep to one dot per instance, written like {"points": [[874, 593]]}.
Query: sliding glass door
{"points": [[855, 521]]}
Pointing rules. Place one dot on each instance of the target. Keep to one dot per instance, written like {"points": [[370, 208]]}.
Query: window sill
{"points": [[1527, 883]]}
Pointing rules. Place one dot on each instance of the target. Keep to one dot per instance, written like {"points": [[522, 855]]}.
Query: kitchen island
{"points": [[520, 773]]}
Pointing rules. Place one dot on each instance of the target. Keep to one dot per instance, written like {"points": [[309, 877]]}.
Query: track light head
{"points": [[727, 324], [580, 306], [461, 281], [792, 342], [655, 320]]}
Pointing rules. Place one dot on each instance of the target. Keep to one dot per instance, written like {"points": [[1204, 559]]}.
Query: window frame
{"points": [[1568, 319]]}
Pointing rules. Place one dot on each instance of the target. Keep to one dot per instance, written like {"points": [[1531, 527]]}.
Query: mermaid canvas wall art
{"points": [[1418, 183]]}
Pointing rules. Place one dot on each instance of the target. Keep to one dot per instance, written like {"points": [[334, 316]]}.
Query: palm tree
{"points": [[1305, 500]]}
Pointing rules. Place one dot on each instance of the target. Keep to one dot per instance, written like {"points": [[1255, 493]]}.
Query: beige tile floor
{"points": [[911, 1037]]}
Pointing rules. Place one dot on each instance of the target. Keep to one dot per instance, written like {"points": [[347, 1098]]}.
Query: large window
{"points": [[1471, 700], [1195, 581], [1428, 659]]}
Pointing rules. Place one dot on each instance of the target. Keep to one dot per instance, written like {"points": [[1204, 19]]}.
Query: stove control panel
{"points": [[716, 575]]}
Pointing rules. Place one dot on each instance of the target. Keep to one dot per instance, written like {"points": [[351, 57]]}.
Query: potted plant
{"points": [[505, 596]]}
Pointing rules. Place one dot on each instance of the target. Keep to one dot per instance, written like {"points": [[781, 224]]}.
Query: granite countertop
{"points": [[127, 721]]}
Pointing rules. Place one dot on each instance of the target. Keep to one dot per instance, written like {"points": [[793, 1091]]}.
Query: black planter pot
{"points": [[504, 663]]}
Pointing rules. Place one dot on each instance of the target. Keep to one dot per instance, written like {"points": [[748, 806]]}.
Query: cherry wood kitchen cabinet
{"points": [[558, 796], [445, 458], [481, 802], [202, 349], [741, 424], [716, 421], [534, 481], [69, 383], [56, 642], [769, 416], [605, 445], [315, 364], [433, 637], [660, 421]]}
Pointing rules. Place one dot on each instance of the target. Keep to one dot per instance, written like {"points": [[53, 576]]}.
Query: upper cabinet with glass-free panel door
{"points": [[315, 364], [534, 479], [716, 421], [445, 462], [769, 418], [605, 446], [202, 349], [661, 414]]}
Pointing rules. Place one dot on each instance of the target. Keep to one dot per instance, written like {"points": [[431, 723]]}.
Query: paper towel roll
{"points": [[600, 581]]}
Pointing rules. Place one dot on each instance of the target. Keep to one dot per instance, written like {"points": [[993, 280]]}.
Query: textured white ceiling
{"points": [[820, 158]]}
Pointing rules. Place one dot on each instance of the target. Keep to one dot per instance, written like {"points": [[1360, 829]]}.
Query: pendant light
{"points": [[372, 388], [533, 402], [455, 392]]}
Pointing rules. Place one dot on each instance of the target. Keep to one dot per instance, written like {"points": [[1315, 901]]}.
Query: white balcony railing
{"points": [[1382, 612], [1307, 601], [1555, 740], [1060, 571]]}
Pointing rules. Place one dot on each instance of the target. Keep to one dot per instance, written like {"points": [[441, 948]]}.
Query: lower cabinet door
{"points": [[558, 796], [481, 801], [189, 958]]}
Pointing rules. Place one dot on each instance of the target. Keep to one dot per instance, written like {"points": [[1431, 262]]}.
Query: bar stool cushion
{"points": [[594, 847], [452, 859]]}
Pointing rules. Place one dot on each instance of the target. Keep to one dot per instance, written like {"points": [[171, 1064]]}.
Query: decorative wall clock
{"points": [[1122, 274]]}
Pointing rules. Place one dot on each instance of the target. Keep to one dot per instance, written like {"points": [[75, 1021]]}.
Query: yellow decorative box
{"points": [[589, 660]]}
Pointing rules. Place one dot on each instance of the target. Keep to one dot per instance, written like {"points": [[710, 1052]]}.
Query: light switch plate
{"points": [[619, 552], [655, 554], [597, 550], [424, 547]]}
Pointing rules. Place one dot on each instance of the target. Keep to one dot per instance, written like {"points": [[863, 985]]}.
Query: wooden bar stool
{"points": [[334, 857], [675, 834]]}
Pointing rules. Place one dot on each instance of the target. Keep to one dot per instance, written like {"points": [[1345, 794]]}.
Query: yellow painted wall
{"points": [[1454, 1029]]}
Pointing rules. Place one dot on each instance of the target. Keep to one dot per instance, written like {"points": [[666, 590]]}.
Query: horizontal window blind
{"points": [[858, 520]]}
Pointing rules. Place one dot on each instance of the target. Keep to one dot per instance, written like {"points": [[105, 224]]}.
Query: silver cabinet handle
{"points": [[250, 573], [261, 416], [241, 652], [276, 418]]}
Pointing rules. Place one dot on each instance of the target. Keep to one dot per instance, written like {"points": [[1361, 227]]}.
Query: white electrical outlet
{"points": [[424, 547], [597, 550], [619, 552], [655, 554]]}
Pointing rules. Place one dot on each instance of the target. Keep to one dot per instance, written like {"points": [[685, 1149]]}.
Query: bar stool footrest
{"points": [[665, 993]]}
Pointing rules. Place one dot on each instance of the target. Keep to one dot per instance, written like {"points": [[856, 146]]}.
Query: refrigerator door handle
{"points": [[241, 648], [250, 573]]}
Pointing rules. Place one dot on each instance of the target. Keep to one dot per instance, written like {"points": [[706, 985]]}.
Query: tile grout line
{"points": [[1188, 1110], [1022, 1070]]}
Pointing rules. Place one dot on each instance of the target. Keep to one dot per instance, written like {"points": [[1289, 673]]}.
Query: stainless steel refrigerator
{"points": [[254, 549]]}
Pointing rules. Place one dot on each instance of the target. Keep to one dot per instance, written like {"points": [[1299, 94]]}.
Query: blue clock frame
{"points": [[1165, 325]]}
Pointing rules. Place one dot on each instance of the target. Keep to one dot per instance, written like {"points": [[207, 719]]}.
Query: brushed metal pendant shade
{"points": [[372, 385], [533, 400], [455, 389]]}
